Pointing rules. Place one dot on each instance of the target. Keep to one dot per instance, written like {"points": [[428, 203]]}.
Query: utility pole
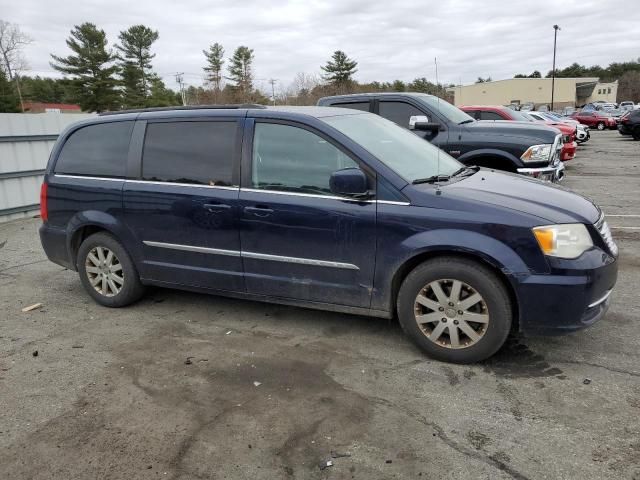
{"points": [[553, 72], [273, 81], [180, 82]]}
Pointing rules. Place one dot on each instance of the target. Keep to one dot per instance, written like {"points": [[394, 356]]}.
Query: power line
{"points": [[273, 81], [180, 83]]}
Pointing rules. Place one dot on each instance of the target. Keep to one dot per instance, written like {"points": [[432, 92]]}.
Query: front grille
{"points": [[605, 233]]}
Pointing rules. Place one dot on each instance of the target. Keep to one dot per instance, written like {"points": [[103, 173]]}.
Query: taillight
{"points": [[44, 211]]}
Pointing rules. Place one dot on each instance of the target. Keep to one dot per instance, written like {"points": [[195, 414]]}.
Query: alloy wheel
{"points": [[451, 313], [104, 271]]}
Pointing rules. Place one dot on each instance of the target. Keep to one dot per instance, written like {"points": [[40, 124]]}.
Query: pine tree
{"points": [[340, 70], [91, 68], [160, 95], [135, 63], [9, 102], [215, 61], [240, 71]]}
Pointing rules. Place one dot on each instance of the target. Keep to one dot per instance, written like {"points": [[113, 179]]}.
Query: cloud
{"points": [[397, 40]]}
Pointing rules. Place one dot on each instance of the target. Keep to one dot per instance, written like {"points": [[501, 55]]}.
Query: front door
{"points": [[298, 239], [183, 206]]}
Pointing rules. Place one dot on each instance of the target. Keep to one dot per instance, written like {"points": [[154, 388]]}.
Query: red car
{"points": [[600, 120], [486, 112]]}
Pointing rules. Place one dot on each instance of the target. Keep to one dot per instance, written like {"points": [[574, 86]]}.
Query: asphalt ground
{"points": [[189, 386]]}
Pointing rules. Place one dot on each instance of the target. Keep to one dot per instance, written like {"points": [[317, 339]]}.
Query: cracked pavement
{"points": [[111, 396]]}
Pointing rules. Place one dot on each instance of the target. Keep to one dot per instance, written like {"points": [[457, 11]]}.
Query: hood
{"points": [[549, 202], [524, 130], [563, 127]]}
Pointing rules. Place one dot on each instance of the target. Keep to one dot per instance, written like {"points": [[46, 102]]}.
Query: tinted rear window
{"points": [[190, 152], [98, 150]]}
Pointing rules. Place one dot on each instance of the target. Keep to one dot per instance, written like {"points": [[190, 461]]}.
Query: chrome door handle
{"points": [[216, 207], [258, 211]]}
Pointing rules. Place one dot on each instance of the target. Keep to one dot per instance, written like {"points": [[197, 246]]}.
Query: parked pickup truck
{"points": [[500, 113], [531, 149]]}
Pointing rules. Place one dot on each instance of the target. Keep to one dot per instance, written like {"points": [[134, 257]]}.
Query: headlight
{"points": [[537, 153], [565, 241]]}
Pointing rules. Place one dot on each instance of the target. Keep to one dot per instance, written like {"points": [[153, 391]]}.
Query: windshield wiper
{"points": [[470, 120], [432, 179]]}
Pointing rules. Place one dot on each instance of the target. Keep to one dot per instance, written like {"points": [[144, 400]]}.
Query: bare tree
{"points": [[301, 90], [12, 42]]}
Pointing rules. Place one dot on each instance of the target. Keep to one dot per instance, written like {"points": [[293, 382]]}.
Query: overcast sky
{"points": [[390, 40]]}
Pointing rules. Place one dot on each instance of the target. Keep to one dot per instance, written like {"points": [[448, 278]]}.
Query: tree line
{"points": [[99, 77]]}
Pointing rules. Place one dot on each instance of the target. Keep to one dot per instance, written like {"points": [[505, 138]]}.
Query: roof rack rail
{"points": [[187, 107]]}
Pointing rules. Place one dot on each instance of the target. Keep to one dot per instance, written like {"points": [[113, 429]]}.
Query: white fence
{"points": [[25, 143]]}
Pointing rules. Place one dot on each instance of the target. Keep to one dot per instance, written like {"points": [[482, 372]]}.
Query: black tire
{"points": [[484, 282], [600, 126], [636, 133], [131, 289]]}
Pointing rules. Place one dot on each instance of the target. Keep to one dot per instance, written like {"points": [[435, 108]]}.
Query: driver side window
{"points": [[399, 112], [292, 159]]}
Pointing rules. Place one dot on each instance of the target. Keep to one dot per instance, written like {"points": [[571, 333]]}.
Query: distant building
{"points": [[569, 92], [39, 107]]}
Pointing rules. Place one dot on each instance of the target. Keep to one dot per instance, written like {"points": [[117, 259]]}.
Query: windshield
{"points": [[451, 113], [405, 153]]}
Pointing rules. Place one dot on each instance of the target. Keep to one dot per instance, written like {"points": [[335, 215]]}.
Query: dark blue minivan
{"points": [[327, 208]]}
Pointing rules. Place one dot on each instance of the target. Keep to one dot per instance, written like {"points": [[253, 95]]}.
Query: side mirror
{"points": [[351, 182], [421, 122]]}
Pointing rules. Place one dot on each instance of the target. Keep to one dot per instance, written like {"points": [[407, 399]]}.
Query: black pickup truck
{"points": [[530, 149]]}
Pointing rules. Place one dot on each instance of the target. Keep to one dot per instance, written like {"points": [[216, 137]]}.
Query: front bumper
{"points": [[569, 151], [624, 129], [551, 173], [583, 135], [563, 303]]}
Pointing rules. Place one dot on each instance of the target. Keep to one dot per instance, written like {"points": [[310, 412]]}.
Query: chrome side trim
{"points": [[151, 182], [82, 177], [314, 195], [303, 261], [178, 184], [253, 255], [391, 202], [600, 300], [296, 194], [192, 248], [255, 190]]}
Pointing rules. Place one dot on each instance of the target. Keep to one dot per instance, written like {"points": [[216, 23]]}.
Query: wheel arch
{"points": [[491, 158], [85, 224], [456, 252]]}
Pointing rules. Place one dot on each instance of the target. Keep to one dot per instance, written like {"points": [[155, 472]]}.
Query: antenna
{"points": [[438, 191]]}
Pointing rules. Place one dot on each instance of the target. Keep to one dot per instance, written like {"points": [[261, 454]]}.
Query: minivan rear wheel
{"points": [[107, 271], [455, 309]]}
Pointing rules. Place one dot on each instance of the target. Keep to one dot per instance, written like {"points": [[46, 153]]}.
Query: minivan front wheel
{"points": [[455, 309], [107, 271]]}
